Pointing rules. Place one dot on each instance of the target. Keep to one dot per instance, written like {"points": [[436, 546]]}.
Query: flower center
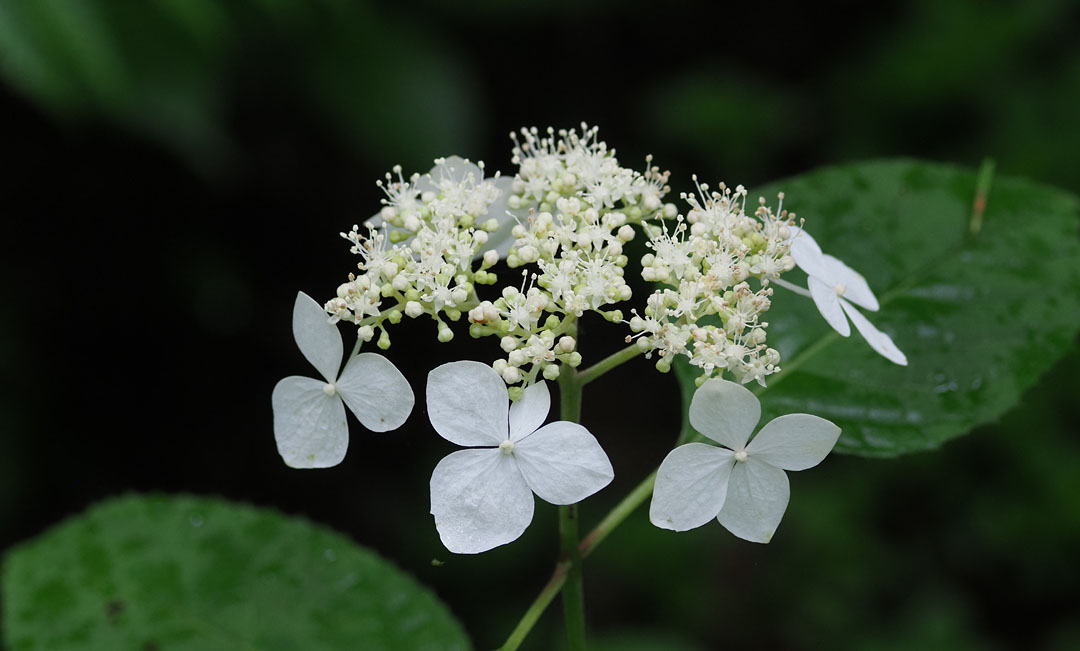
{"points": [[740, 456], [839, 288], [507, 447], [329, 389]]}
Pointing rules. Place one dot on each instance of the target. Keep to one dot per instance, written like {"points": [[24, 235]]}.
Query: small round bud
{"points": [[394, 316], [567, 344], [365, 333], [508, 344], [413, 309], [491, 257], [445, 334], [384, 340], [511, 375], [575, 360], [551, 372]]}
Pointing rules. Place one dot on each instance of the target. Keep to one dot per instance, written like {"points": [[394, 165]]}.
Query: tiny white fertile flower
{"points": [[741, 485], [458, 170], [834, 286], [483, 497], [309, 415]]}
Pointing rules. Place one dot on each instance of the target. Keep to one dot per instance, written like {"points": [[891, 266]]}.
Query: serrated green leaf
{"points": [[979, 317], [195, 574]]}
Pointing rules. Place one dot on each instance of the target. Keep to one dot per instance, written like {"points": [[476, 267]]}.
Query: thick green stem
{"points": [[567, 574], [608, 363], [573, 592]]}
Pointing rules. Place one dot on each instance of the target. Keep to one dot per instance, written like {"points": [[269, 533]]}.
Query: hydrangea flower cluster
{"points": [[421, 262], [565, 219], [711, 314]]}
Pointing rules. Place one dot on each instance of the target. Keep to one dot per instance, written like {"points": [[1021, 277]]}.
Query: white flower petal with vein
{"points": [[757, 497], [832, 285], [309, 415], [794, 441], [563, 463], [479, 500], [530, 411], [483, 497], [691, 486], [467, 403], [317, 338], [309, 425], [878, 340], [744, 487], [726, 412]]}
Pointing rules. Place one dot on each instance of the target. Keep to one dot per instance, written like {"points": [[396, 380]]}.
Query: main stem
{"points": [[573, 593]]}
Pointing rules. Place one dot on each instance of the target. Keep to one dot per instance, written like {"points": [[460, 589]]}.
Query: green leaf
{"points": [[187, 573], [979, 317]]}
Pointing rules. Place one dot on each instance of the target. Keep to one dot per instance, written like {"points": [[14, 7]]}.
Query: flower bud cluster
{"points": [[709, 312], [421, 261], [567, 215], [581, 206]]}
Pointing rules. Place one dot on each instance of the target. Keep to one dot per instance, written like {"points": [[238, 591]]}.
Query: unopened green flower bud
{"points": [[384, 340]]}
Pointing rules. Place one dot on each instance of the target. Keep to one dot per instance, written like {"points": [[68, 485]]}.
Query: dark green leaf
{"points": [[186, 573], [980, 318]]}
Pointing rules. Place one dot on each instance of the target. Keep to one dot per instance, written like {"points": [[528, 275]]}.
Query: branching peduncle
{"points": [[573, 592]]}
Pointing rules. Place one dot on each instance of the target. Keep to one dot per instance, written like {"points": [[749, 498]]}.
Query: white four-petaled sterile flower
{"points": [[834, 286], [309, 414], [742, 485], [483, 497]]}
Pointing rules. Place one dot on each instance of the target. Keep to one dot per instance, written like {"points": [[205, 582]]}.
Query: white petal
{"points": [[828, 303], [725, 411], [502, 239], [806, 252], [878, 340], [563, 463], [309, 425], [376, 392], [757, 498], [856, 288], [317, 338], [468, 404], [794, 441], [479, 500], [530, 411], [691, 486]]}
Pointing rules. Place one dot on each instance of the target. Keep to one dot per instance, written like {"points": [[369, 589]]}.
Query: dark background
{"points": [[175, 171]]}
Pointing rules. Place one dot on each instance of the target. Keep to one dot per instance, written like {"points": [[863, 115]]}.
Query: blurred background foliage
{"points": [[176, 169]]}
